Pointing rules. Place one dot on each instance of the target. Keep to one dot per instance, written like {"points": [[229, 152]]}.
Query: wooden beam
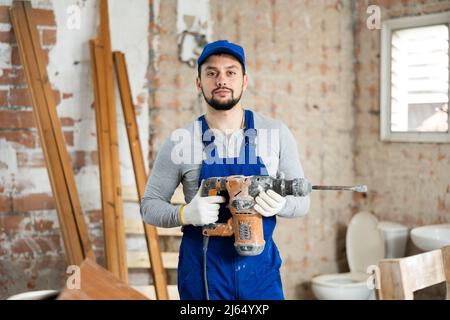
{"points": [[140, 260], [108, 148], [73, 228], [401, 277], [134, 226], [151, 234]]}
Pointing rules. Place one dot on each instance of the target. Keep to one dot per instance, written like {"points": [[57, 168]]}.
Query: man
{"points": [[222, 143]]}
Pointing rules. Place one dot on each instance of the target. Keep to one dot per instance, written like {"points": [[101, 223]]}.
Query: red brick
{"points": [[7, 37], [34, 201], [36, 245], [57, 97], [5, 204], [13, 77], [25, 138], [48, 37], [49, 243], [3, 98], [78, 160], [43, 225], [11, 223], [15, 57], [68, 137], [82, 158], [16, 119], [4, 14], [67, 95], [45, 56], [26, 160], [19, 97], [67, 122], [21, 246], [94, 216], [44, 17]]}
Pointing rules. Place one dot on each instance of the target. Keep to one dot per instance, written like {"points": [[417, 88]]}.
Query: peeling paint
{"points": [[194, 27]]}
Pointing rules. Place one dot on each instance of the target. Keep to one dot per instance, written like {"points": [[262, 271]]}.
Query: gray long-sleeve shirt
{"points": [[180, 159]]}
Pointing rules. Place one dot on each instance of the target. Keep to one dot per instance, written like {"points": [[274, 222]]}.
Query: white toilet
{"points": [[367, 242]]}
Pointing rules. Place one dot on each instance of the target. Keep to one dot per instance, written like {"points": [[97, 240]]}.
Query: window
{"points": [[415, 79]]}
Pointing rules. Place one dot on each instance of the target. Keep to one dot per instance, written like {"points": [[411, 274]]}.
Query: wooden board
{"points": [[108, 148], [73, 228], [139, 260], [97, 283], [151, 234], [401, 277], [149, 291], [135, 227]]}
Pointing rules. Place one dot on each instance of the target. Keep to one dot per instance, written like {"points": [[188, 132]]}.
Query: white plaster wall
{"points": [[69, 71], [129, 22]]}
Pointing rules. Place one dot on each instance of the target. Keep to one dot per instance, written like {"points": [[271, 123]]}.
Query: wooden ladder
{"points": [[138, 258], [151, 258]]}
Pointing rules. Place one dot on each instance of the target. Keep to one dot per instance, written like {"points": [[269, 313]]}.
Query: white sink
{"points": [[431, 237]]}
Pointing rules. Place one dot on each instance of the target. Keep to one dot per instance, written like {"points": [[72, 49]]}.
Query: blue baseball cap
{"points": [[222, 46]]}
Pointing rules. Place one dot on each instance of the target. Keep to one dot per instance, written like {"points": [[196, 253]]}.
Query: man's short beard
{"points": [[227, 105]]}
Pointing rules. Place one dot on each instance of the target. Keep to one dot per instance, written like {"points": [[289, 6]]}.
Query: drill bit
{"points": [[358, 188]]}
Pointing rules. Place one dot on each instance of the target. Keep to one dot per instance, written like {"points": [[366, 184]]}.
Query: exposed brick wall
{"points": [[29, 242], [408, 182], [31, 250]]}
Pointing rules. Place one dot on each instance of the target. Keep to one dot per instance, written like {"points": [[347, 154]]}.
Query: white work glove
{"points": [[269, 203], [201, 210]]}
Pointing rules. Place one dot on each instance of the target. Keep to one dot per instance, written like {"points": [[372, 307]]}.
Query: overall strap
{"points": [[205, 128], [250, 134]]}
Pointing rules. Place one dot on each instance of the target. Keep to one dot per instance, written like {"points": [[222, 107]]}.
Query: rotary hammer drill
{"points": [[245, 222]]}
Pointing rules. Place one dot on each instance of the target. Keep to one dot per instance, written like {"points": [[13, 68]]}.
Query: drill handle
{"points": [[212, 186]]}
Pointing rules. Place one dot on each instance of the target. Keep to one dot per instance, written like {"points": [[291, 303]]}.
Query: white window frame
{"points": [[388, 27]]}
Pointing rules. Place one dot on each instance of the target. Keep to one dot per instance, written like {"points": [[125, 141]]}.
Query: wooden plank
{"points": [[139, 260], [97, 283], [135, 227], [446, 261], [129, 194], [113, 221], [105, 42], [401, 277], [151, 235], [62, 151], [149, 291], [73, 229]]}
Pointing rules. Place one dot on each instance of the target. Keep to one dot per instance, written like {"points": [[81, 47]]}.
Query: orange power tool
{"points": [[245, 222]]}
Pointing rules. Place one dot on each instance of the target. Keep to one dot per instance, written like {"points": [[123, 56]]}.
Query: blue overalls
{"points": [[230, 276]]}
